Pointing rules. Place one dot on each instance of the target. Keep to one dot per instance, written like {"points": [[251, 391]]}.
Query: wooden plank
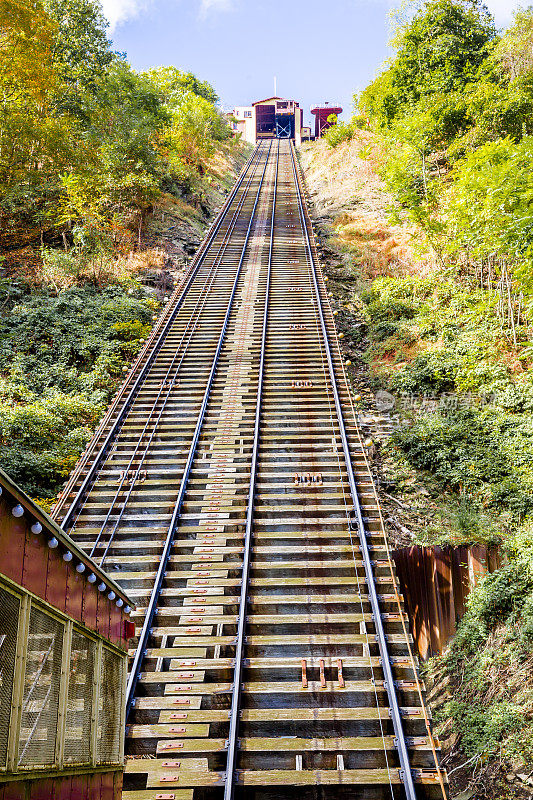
{"points": [[184, 663], [206, 745], [287, 744], [190, 715], [171, 772], [259, 687], [323, 639], [321, 714], [347, 743], [192, 778], [150, 766], [319, 777], [257, 663], [301, 619], [185, 641], [205, 688], [168, 730], [331, 777]]}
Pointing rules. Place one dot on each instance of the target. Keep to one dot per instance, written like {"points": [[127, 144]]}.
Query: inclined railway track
{"points": [[228, 492]]}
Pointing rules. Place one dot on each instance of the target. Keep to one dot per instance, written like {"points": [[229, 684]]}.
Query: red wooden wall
{"points": [[98, 786], [26, 559]]}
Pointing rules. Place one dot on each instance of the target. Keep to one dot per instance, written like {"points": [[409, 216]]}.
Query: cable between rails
{"points": [[229, 783]]}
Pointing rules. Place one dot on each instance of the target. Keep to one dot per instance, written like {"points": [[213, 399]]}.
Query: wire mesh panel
{"points": [[9, 619], [109, 716], [42, 677], [79, 700]]}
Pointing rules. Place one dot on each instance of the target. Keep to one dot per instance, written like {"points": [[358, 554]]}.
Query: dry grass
{"points": [[381, 249], [59, 270], [140, 261], [347, 188]]}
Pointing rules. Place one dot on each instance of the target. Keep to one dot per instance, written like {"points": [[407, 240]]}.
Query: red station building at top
{"points": [[321, 114]]}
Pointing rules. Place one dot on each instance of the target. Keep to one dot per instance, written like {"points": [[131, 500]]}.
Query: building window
{"points": [[247, 113], [40, 700], [8, 636], [71, 685]]}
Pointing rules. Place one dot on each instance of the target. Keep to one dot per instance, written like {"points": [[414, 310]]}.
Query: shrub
{"points": [[339, 133], [488, 661], [60, 361]]}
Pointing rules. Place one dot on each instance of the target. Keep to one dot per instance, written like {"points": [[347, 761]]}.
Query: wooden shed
{"points": [[64, 631]]}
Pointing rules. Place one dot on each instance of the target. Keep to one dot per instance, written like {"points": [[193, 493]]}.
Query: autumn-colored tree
{"points": [[196, 123], [34, 141], [83, 138]]}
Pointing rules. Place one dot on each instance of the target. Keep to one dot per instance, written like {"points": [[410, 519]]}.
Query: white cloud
{"points": [[206, 6], [118, 11]]}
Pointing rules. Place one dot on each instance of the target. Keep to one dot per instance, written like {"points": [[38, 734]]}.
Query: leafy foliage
{"points": [[488, 666], [195, 124], [61, 359], [83, 138], [488, 207], [34, 142], [446, 341], [338, 133], [452, 117], [454, 110], [86, 146]]}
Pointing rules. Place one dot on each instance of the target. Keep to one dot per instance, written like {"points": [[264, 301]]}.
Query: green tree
{"points": [[34, 142], [439, 50], [81, 51], [488, 207], [174, 84], [124, 161], [196, 123], [515, 50]]}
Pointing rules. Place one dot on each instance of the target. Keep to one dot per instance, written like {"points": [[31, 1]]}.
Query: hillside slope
{"points": [[72, 322], [443, 397]]}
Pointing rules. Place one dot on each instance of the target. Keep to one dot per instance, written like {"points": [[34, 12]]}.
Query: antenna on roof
{"points": [[275, 86]]}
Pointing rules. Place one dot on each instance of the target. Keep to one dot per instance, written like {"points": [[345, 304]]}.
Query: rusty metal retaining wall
{"points": [[435, 582]]}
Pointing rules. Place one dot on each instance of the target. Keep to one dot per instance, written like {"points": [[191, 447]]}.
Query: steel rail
{"points": [[188, 332], [229, 783], [154, 596], [390, 686], [68, 519]]}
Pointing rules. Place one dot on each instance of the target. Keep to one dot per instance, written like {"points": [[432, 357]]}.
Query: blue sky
{"points": [[318, 49]]}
